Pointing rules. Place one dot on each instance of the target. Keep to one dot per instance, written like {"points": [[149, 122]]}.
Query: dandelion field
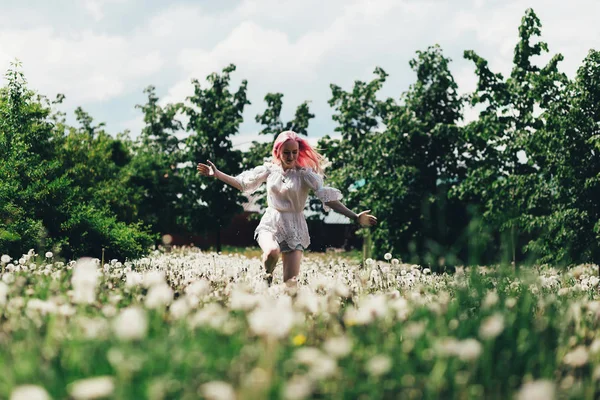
{"points": [[189, 324]]}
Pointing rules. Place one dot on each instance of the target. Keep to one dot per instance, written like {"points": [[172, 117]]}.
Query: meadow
{"points": [[188, 324]]}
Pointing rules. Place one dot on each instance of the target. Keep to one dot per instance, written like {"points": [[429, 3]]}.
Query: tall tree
{"points": [[154, 167], [215, 115], [47, 196], [499, 148]]}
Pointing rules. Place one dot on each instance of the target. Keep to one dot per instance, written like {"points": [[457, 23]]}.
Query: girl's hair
{"points": [[307, 155]]}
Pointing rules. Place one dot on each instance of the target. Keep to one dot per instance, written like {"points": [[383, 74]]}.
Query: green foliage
{"points": [[214, 116], [154, 172], [406, 168], [56, 189]]}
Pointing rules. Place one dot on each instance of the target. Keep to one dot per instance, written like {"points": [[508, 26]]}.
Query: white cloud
{"points": [[297, 48], [86, 66], [95, 8]]}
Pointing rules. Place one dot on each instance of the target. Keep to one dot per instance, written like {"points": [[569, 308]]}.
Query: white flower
{"points": [[379, 365], [369, 261], [297, 388], [3, 293], [577, 357], [242, 300], [5, 259], [180, 308], [131, 323], [8, 278], [491, 327], [92, 388], [133, 279], [338, 347], [93, 328], [341, 290], [415, 329], [29, 392], [510, 302], [273, 319], [159, 295], [387, 256], [307, 301], [49, 254], [469, 350], [537, 390], [84, 281], [198, 288], [153, 277], [490, 300], [218, 390]]}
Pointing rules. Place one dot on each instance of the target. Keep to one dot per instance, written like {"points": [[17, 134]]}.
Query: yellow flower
{"points": [[299, 340]]}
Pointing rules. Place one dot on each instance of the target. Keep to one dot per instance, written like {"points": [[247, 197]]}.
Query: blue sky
{"points": [[102, 53]]}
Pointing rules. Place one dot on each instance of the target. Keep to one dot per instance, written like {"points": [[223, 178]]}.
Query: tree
{"points": [[154, 167], [41, 205], [358, 114], [505, 186], [215, 115]]}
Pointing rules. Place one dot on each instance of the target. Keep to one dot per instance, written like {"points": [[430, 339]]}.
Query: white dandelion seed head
{"points": [[29, 392]]}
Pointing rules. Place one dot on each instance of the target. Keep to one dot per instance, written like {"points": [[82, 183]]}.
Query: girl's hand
{"points": [[208, 170], [366, 219]]}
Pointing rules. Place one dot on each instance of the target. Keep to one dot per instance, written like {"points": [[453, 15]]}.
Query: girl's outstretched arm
{"points": [[212, 171], [362, 218]]}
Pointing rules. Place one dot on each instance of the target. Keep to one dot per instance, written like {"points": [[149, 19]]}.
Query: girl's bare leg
{"points": [[291, 264], [271, 252]]}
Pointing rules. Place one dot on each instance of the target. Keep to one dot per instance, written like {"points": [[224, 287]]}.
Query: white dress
{"points": [[287, 192]]}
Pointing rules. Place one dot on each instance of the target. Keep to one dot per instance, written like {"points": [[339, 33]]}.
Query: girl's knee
{"points": [[272, 253]]}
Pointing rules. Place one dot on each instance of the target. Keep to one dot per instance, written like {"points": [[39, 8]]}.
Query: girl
{"points": [[296, 169]]}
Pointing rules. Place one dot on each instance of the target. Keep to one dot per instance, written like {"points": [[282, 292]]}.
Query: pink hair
{"points": [[307, 155]]}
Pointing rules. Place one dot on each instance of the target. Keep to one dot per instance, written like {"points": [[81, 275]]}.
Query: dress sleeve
{"points": [[324, 193], [251, 180]]}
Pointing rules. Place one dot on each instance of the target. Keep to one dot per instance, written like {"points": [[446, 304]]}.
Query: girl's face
{"points": [[289, 154]]}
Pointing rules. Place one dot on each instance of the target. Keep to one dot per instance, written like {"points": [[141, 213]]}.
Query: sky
{"points": [[101, 54]]}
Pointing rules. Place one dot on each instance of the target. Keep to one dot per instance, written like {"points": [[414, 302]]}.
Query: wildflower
{"points": [[469, 350], [92, 388], [299, 340], [3, 293], [153, 277], [264, 323], [29, 392], [180, 308], [198, 288], [576, 358], [510, 302], [5, 259], [131, 324], [84, 281], [133, 279], [387, 256], [490, 300], [379, 365], [297, 388], [159, 295], [415, 329], [338, 347], [491, 327], [218, 390], [537, 390]]}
